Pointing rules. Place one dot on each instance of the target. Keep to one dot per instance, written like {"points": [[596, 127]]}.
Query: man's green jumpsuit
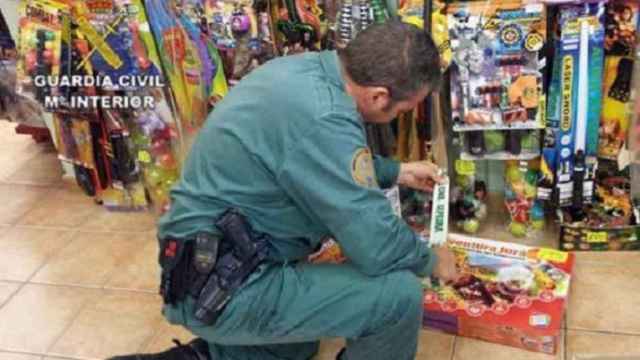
{"points": [[287, 147]]}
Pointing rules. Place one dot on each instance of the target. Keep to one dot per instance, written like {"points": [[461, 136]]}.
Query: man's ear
{"points": [[379, 96]]}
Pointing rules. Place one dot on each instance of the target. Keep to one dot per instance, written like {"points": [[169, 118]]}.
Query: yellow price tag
{"points": [[597, 237], [553, 255], [144, 156], [465, 167]]}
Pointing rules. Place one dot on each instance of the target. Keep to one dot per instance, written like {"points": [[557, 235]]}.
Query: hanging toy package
{"points": [[496, 77]]}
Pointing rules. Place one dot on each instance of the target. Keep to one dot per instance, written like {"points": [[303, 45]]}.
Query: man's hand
{"points": [[445, 268], [419, 175]]}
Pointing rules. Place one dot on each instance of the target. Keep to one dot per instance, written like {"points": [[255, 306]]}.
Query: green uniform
{"points": [[287, 147]]}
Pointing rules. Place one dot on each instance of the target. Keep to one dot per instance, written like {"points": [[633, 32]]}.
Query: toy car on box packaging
{"points": [[509, 294]]}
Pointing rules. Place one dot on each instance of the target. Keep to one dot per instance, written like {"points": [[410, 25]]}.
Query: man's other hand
{"points": [[419, 175], [445, 268]]}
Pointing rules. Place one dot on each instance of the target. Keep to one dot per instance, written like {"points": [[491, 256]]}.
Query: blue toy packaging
{"points": [[573, 115]]}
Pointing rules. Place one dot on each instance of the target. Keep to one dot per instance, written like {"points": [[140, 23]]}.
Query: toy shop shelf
{"points": [[500, 156], [523, 126]]}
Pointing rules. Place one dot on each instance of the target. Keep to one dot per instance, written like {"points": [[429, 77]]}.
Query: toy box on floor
{"points": [[509, 294]]}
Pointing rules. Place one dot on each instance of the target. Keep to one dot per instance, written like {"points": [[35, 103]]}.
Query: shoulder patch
{"points": [[362, 169]]}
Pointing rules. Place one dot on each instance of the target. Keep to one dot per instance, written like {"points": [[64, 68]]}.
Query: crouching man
{"points": [[281, 163]]}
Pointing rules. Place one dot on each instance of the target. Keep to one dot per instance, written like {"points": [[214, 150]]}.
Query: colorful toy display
{"points": [[496, 75], [526, 212], [509, 294]]}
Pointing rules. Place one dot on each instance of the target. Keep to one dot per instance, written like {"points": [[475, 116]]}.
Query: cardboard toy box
{"points": [[509, 294]]}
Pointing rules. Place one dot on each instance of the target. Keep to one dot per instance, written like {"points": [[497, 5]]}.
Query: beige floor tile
{"points": [[18, 356], [91, 259], [163, 340], [329, 348], [43, 169], [119, 323], [605, 297], [17, 200], [471, 349], [435, 345], [15, 150], [6, 290], [120, 221], [585, 345], [37, 315], [66, 207], [140, 272], [609, 257], [25, 250]]}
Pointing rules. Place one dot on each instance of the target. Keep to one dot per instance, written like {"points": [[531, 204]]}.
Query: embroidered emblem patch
{"points": [[362, 169]]}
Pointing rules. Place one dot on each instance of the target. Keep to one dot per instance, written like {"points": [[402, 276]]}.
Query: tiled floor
{"points": [[79, 282]]}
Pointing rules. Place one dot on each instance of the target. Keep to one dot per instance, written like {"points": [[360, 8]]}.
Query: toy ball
{"points": [[471, 226], [494, 141], [537, 224], [143, 62], [530, 191], [240, 22], [49, 35], [531, 176], [167, 161], [518, 229], [529, 142], [48, 45], [48, 55], [31, 59], [513, 174], [462, 181], [154, 176], [537, 212], [481, 212]]}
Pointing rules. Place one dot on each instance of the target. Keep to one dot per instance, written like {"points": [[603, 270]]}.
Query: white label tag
{"points": [[440, 214]]}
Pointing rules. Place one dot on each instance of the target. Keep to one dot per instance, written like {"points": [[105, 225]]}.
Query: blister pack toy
{"points": [[621, 22], [496, 74], [571, 140], [508, 294], [43, 24], [526, 212]]}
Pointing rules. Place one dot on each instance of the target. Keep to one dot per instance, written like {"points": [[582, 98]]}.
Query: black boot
{"points": [[197, 349]]}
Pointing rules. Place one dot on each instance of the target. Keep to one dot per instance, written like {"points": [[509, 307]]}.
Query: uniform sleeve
{"points": [[387, 171], [325, 174]]}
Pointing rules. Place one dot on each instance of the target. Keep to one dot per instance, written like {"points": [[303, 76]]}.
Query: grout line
{"points": [[603, 332], [92, 287], [13, 294], [68, 326], [51, 256], [453, 347], [565, 343], [33, 208]]}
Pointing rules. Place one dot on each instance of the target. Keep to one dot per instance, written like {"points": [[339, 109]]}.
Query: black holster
{"points": [[211, 268]]}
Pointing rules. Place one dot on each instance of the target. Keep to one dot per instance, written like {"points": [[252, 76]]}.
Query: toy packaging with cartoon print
{"points": [[508, 293]]}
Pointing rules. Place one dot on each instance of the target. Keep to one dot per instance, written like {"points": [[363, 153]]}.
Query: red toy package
{"points": [[509, 294]]}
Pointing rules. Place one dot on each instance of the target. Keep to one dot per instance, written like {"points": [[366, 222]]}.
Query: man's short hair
{"points": [[395, 55]]}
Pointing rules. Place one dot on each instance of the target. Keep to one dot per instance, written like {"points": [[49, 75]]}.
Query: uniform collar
{"points": [[331, 66]]}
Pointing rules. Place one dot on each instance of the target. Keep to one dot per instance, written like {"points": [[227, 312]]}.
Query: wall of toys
{"points": [[546, 89]]}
